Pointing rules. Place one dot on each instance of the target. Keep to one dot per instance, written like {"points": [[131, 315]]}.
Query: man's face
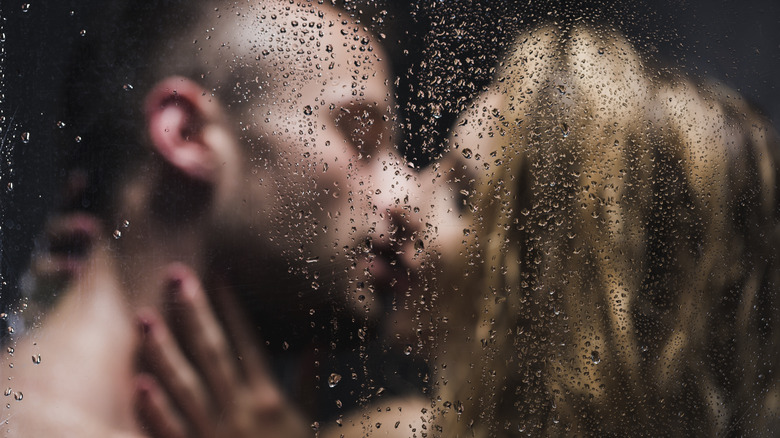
{"points": [[322, 189]]}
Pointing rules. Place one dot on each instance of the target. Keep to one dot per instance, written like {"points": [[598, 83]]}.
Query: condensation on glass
{"points": [[372, 218]]}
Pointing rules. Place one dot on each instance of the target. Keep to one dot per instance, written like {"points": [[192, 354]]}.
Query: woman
{"points": [[626, 226]]}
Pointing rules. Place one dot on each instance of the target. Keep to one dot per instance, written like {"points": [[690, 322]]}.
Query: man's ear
{"points": [[178, 111]]}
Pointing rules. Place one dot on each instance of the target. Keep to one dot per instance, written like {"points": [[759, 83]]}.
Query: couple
{"points": [[616, 277]]}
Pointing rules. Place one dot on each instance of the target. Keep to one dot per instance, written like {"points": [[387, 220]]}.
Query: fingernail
{"points": [[175, 286], [143, 386], [145, 325], [145, 320]]}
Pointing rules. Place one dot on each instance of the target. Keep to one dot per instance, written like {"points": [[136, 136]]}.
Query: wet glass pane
{"points": [[375, 218]]}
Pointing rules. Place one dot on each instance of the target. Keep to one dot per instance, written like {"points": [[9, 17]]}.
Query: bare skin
{"points": [[210, 380], [347, 190], [225, 390]]}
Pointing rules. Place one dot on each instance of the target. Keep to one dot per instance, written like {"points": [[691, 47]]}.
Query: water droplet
{"points": [[561, 88], [334, 380], [36, 359], [25, 7], [329, 48], [78, 139], [83, 32], [436, 110], [315, 426], [467, 153], [565, 130], [408, 350], [312, 260], [307, 110], [419, 245], [60, 124], [127, 87], [594, 356], [7, 392], [117, 234], [18, 396], [25, 137]]}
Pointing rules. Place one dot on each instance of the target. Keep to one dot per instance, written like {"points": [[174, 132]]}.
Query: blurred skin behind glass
{"points": [[591, 147], [271, 171], [616, 218]]}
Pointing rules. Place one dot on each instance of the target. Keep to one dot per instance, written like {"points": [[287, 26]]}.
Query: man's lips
{"points": [[387, 267], [387, 272], [380, 269]]}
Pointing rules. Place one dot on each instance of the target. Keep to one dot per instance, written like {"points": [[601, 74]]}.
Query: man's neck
{"points": [[88, 341], [86, 346]]}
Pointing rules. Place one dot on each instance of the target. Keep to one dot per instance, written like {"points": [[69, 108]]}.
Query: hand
{"points": [[202, 383]]}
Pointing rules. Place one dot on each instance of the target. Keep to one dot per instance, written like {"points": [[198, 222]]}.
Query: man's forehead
{"points": [[293, 47]]}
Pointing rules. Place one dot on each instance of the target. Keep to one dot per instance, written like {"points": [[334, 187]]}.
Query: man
{"points": [[271, 169]]}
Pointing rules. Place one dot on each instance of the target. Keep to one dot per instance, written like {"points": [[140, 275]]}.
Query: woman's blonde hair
{"points": [[626, 246]]}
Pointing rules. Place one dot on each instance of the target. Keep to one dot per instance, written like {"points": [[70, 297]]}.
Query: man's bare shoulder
{"points": [[396, 417]]}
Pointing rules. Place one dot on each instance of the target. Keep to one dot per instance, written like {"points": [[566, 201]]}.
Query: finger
{"points": [[239, 330], [201, 334], [155, 413], [173, 370]]}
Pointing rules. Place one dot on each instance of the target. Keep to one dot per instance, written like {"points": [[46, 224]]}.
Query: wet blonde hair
{"points": [[626, 253]]}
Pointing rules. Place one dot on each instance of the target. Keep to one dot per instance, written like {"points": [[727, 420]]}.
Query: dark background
{"points": [[737, 42]]}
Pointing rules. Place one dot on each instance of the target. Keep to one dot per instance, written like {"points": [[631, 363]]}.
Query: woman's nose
{"points": [[399, 211], [415, 212]]}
